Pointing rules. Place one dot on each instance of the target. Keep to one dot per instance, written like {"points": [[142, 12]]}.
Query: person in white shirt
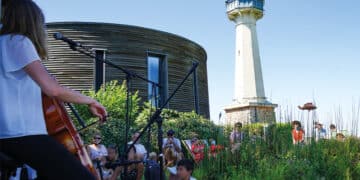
{"points": [[172, 142], [171, 149], [97, 151], [23, 133], [140, 149]]}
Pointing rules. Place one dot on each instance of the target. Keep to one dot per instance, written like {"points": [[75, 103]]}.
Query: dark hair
{"points": [[296, 123], [332, 126], [187, 163], [170, 132], [238, 124]]}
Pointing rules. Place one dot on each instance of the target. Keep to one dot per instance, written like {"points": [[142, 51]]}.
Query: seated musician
{"points": [[23, 133]]}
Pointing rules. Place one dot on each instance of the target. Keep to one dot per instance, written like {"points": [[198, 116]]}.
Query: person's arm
{"points": [[52, 88]]}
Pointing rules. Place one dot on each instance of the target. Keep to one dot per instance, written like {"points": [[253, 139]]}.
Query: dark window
{"points": [[157, 72]]}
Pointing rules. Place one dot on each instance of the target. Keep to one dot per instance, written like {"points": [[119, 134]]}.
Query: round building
{"points": [[159, 56]]}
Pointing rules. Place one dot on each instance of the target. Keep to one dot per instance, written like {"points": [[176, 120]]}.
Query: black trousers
{"points": [[50, 159]]}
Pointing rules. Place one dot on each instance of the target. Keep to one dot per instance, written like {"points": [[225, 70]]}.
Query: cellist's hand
{"points": [[98, 110]]}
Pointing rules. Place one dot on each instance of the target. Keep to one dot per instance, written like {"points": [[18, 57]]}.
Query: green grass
{"points": [[274, 157]]}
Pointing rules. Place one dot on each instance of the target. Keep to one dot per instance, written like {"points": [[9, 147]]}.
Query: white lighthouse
{"points": [[249, 103]]}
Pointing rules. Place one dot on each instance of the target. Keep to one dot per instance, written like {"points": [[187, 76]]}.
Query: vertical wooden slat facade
{"points": [[128, 47]]}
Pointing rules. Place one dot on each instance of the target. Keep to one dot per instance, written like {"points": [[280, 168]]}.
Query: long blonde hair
{"points": [[24, 17]]}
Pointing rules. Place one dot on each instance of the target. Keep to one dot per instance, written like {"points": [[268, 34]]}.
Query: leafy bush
{"points": [[185, 124], [113, 97]]}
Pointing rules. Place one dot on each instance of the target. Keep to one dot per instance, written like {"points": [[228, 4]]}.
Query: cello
{"points": [[60, 126]]}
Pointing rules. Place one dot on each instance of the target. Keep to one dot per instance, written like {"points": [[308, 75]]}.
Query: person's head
{"points": [[238, 126], [318, 125], [24, 17], [296, 124], [194, 140], [184, 169], [340, 136], [170, 133], [153, 156], [97, 139], [332, 127], [135, 136], [112, 152]]}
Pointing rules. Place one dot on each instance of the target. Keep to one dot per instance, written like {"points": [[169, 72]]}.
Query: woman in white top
{"points": [[97, 151], [23, 133]]}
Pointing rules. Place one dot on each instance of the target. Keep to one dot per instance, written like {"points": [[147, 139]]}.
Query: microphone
{"points": [[72, 44]]}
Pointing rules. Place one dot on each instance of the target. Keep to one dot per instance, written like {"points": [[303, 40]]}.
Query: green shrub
{"points": [[113, 97], [185, 124]]}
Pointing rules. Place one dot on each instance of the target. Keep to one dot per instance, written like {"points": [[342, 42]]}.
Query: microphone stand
{"points": [[156, 118], [98, 165], [129, 75]]}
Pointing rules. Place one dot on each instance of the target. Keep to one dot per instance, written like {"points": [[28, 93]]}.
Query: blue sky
{"points": [[309, 49]]}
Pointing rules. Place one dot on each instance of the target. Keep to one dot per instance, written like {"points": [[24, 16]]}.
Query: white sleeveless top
{"points": [[21, 111]]}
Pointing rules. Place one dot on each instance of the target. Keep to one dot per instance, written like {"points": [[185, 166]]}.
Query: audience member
{"points": [[171, 157], [214, 149], [112, 157], [197, 149], [172, 142], [236, 137], [297, 133], [134, 171], [320, 132], [172, 147], [152, 169], [97, 151], [340, 137], [140, 149], [184, 169], [333, 131]]}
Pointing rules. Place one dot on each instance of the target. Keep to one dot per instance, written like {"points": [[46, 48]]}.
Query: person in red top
{"points": [[197, 148], [214, 149], [297, 133]]}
